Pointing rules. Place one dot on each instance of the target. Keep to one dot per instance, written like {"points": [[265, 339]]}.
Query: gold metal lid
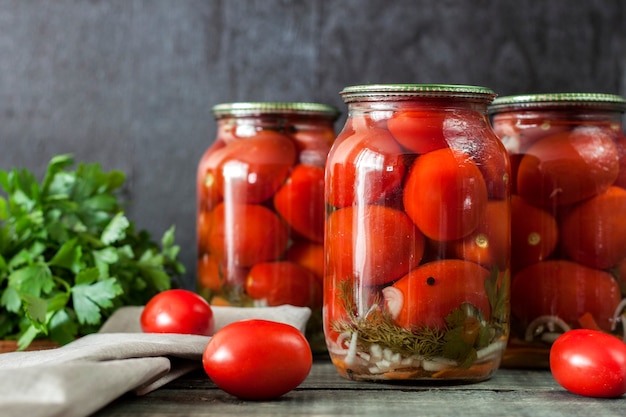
{"points": [[598, 101], [243, 109], [377, 92]]}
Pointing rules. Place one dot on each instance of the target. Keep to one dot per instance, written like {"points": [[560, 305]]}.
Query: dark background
{"points": [[130, 83]]}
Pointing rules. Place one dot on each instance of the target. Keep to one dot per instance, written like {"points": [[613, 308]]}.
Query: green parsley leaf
{"points": [[115, 230], [69, 255], [32, 280], [90, 298], [63, 327], [11, 300], [36, 308], [27, 337]]}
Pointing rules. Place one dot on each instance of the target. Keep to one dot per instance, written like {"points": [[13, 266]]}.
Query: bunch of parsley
{"points": [[68, 254]]}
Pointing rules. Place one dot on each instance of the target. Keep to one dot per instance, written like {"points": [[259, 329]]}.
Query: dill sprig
{"points": [[377, 327], [466, 330]]}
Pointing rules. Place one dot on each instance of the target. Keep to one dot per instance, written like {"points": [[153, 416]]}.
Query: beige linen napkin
{"points": [[81, 377]]}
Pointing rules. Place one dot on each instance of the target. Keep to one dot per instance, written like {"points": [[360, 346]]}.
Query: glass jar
{"points": [[417, 236], [260, 207], [568, 209]]}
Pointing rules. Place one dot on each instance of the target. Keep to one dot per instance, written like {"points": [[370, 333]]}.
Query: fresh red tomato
{"points": [[594, 232], [568, 167], [487, 245], [250, 170], [246, 234], [284, 282], [300, 201], [564, 289], [420, 131], [589, 363], [534, 233], [427, 294], [257, 359], [366, 166], [445, 194], [374, 244], [177, 311]]}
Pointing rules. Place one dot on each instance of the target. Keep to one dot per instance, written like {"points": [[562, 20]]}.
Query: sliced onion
{"points": [[394, 300]]}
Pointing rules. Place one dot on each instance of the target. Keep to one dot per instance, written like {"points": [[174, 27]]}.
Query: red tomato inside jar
{"points": [[417, 235], [568, 236], [260, 207]]}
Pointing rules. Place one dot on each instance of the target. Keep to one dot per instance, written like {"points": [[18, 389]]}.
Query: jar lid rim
{"points": [[273, 107], [570, 99], [391, 91]]}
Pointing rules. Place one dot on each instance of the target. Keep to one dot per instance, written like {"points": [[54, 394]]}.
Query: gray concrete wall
{"points": [[130, 83]]}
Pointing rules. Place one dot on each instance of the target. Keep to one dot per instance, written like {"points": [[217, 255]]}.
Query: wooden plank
{"points": [[369, 402], [323, 376], [325, 393]]}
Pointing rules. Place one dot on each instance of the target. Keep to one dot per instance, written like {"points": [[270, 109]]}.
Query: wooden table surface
{"points": [[511, 392]]}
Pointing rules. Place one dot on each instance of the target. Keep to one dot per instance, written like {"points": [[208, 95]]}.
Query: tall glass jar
{"points": [[416, 283], [260, 207], [568, 209]]}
